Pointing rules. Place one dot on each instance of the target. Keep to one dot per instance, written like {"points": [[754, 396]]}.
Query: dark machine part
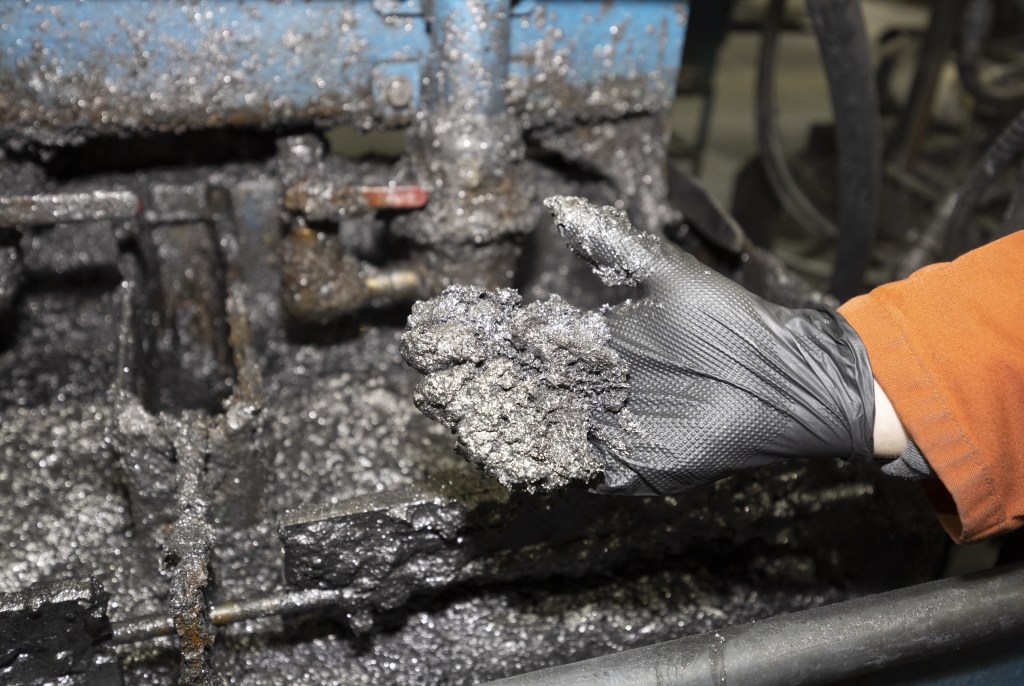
{"points": [[250, 478], [952, 231], [229, 612], [948, 185], [322, 283], [57, 631], [48, 208], [1013, 218], [10, 277], [453, 534], [957, 223], [976, 29], [824, 645], [327, 431], [190, 362], [69, 251], [714, 234], [842, 39], [773, 157], [188, 552]]}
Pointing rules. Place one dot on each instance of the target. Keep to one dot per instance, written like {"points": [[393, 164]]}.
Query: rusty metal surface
{"points": [[188, 550], [51, 208], [327, 200], [76, 70]]}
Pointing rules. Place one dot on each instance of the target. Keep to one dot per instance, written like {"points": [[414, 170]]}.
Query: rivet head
{"points": [[398, 92]]}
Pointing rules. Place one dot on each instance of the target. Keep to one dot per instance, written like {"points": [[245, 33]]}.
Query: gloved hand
{"points": [[720, 380]]}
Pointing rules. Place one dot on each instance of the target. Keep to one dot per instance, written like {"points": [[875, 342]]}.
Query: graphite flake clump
{"points": [[520, 387], [603, 236]]}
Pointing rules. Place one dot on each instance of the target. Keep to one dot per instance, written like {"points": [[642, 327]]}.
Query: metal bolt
{"points": [[398, 92], [305, 148]]}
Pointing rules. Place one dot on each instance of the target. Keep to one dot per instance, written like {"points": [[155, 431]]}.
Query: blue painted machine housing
{"points": [[71, 69]]}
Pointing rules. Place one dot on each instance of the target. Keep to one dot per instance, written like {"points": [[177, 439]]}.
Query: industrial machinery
{"points": [[212, 469]]}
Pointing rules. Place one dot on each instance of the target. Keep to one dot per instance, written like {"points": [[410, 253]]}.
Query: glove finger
{"points": [[620, 254]]}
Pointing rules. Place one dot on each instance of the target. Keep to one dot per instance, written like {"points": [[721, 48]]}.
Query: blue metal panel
{"points": [[614, 57], [993, 664], [261, 42], [471, 41], [81, 67], [164, 64]]}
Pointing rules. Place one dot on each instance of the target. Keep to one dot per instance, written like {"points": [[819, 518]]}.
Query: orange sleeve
{"points": [[947, 346]]}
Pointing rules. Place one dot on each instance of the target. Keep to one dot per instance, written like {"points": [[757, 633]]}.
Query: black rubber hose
{"points": [[949, 234], [975, 28], [776, 169], [842, 40], [1013, 217]]}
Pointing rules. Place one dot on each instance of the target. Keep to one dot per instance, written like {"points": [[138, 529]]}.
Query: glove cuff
{"points": [[911, 465], [858, 400], [830, 387]]}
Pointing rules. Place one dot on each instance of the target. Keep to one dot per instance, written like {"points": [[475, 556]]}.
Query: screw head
{"points": [[398, 92]]}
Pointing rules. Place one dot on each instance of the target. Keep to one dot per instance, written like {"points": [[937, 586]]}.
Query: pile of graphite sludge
{"points": [[520, 387]]}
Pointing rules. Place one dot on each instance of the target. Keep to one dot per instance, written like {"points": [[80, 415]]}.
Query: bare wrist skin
{"points": [[890, 437]]}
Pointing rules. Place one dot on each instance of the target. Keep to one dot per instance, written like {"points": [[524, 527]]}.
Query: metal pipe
{"points": [[321, 283], [822, 645], [52, 208], [471, 43]]}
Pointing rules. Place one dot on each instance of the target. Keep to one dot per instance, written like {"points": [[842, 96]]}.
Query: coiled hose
{"points": [[975, 28], [842, 40], [949, 235]]}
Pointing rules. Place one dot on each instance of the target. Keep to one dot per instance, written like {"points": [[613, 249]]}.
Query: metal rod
{"points": [[229, 612], [822, 645], [52, 208]]}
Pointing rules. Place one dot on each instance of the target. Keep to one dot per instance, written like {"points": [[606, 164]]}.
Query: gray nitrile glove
{"points": [[720, 380]]}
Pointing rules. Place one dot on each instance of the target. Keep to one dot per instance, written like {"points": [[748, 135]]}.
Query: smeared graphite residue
{"points": [[518, 386], [603, 236]]}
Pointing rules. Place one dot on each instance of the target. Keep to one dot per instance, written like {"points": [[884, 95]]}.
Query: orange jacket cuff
{"points": [[947, 347]]}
